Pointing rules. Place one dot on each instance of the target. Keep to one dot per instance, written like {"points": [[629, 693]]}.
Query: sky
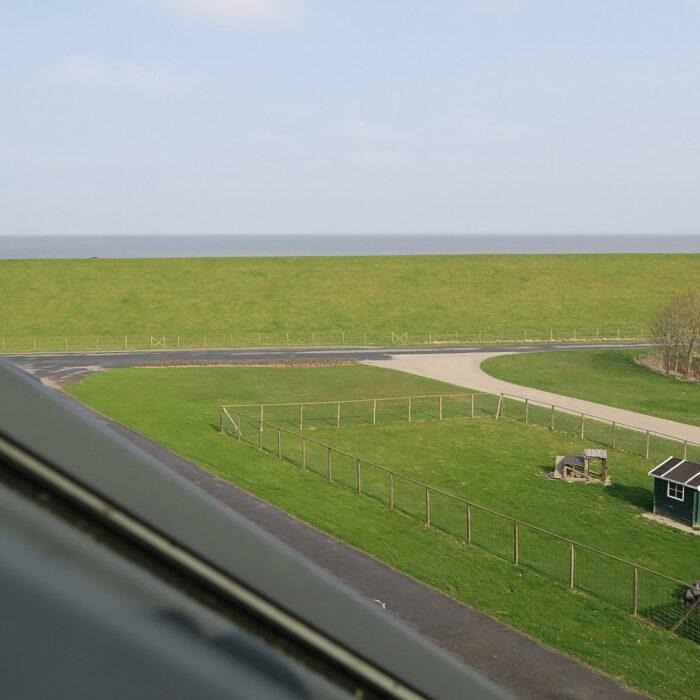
{"points": [[353, 116]]}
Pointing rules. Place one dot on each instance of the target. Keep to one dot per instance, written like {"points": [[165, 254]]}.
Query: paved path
{"points": [[59, 368], [465, 370], [503, 655]]}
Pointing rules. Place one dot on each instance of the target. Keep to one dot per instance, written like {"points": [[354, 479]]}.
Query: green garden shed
{"points": [[677, 490]]}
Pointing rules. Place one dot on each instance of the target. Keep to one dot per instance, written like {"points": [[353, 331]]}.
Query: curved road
{"points": [[465, 370], [63, 368]]}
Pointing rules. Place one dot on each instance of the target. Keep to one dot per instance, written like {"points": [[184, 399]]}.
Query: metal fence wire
{"points": [[57, 341], [623, 584], [639, 441]]}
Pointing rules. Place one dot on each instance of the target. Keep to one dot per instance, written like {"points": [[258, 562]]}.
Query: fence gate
{"points": [[401, 338], [157, 342]]}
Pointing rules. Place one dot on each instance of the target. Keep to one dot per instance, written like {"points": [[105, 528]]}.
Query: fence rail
{"points": [[632, 587], [373, 411], [644, 443], [156, 339], [648, 444]]}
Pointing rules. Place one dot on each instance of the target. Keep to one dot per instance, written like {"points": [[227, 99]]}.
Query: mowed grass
{"points": [[377, 294], [604, 376], [179, 408], [501, 465]]}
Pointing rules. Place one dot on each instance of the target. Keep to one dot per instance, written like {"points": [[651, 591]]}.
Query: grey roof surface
{"points": [[590, 452], [678, 471]]}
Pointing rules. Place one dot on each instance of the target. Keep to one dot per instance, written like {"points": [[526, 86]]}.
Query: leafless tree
{"points": [[676, 330]]}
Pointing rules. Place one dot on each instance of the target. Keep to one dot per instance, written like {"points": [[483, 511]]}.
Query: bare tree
{"points": [[676, 330]]}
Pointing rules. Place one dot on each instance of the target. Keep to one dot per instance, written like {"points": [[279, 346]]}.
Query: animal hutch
{"points": [[575, 468], [677, 490]]}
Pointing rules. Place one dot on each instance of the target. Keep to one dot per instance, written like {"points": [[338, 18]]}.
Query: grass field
{"points": [[178, 407], [605, 376], [383, 294]]}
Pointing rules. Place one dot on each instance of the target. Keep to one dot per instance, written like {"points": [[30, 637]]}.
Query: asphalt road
{"points": [[62, 368]]}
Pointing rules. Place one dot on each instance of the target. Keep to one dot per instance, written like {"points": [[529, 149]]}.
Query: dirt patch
{"points": [[672, 523]]}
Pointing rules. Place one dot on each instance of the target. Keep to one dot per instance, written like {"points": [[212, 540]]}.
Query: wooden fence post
{"points": [[499, 408], [571, 565], [391, 490], [359, 477], [614, 425], [472, 414], [374, 412], [635, 589], [582, 419], [440, 408], [301, 416], [685, 449], [330, 469], [260, 431], [238, 428], [647, 444], [337, 419], [516, 549], [552, 426], [427, 505], [303, 453], [469, 524], [409, 409], [221, 420], [527, 414], [279, 444]]}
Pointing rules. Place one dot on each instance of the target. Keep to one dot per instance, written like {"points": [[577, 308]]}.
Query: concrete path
{"points": [[508, 658], [465, 370]]}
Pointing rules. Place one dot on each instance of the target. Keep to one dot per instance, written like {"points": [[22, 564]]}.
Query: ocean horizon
{"points": [[268, 245]]}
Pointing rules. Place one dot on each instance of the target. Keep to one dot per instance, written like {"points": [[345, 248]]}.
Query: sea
{"points": [[164, 246]]}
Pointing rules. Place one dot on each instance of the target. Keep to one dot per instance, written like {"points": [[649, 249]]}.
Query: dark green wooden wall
{"points": [[685, 511]]}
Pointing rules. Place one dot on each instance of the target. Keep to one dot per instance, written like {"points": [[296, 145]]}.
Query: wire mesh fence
{"points": [[154, 340], [315, 415], [643, 443], [623, 584]]}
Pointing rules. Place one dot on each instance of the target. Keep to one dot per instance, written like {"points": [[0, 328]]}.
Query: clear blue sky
{"points": [[349, 116]]}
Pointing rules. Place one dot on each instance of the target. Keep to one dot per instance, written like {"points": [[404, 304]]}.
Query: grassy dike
{"points": [[178, 408], [445, 293], [605, 376]]}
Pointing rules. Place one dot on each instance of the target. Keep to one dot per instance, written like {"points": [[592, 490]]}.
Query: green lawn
{"points": [[605, 376], [498, 464], [108, 299]]}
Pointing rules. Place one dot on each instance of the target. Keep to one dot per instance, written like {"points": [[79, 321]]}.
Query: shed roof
{"points": [[678, 471], [590, 452]]}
